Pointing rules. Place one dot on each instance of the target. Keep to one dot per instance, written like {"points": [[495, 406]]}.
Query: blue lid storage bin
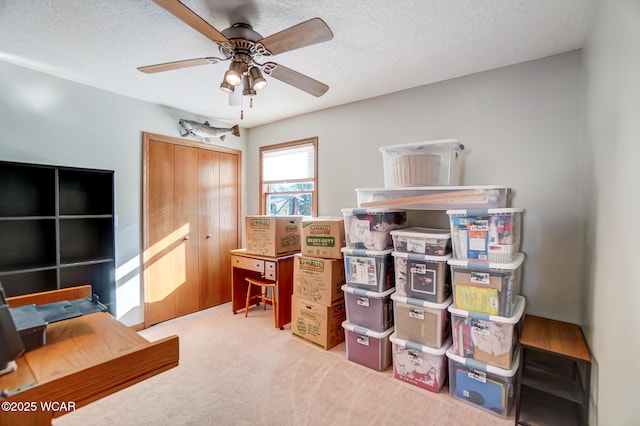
{"points": [[490, 339], [484, 386], [419, 365], [368, 347], [368, 269], [422, 277], [426, 241], [420, 321], [369, 309], [370, 228], [489, 288], [486, 235]]}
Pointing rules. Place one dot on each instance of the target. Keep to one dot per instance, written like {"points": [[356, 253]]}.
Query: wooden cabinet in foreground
{"points": [[84, 359]]}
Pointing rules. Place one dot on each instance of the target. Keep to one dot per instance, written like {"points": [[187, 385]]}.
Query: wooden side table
{"points": [[555, 374], [279, 269]]}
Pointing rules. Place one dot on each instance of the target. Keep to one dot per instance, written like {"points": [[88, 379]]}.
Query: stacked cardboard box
{"points": [[272, 235], [317, 305]]}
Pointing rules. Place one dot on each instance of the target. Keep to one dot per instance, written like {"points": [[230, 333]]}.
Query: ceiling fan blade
{"points": [[168, 66], [190, 18], [297, 80], [304, 34]]}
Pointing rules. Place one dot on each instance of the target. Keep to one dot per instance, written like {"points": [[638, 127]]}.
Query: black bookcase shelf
{"points": [[84, 239], [27, 243], [82, 192], [56, 229], [554, 376], [27, 190]]}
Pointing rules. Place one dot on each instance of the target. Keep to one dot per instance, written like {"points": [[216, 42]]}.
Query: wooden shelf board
{"points": [[554, 336]]}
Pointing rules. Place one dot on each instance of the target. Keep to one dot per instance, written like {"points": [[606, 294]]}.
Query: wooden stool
{"points": [[262, 296]]}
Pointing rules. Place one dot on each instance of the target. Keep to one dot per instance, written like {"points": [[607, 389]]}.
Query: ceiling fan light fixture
{"points": [[226, 87], [258, 80], [234, 75], [248, 86]]}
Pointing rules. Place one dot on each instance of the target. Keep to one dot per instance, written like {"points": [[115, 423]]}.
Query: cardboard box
{"points": [[323, 237], [317, 324], [318, 280], [272, 235]]}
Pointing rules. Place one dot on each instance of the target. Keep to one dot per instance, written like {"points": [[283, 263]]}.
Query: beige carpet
{"points": [[241, 371]]}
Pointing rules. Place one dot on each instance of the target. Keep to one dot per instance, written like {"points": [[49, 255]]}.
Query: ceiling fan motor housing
{"points": [[242, 38]]}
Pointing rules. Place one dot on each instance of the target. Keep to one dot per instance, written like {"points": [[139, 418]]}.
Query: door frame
{"points": [[146, 139]]}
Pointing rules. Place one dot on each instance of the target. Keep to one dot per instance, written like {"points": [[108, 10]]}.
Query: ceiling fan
{"points": [[248, 52]]}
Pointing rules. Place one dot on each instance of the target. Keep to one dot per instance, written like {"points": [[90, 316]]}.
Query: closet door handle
{"points": [[209, 235], [186, 237]]}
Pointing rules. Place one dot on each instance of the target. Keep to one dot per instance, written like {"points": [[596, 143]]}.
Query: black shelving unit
{"points": [[554, 377], [57, 229]]}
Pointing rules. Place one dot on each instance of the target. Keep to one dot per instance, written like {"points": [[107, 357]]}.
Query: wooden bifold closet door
{"points": [[191, 205]]}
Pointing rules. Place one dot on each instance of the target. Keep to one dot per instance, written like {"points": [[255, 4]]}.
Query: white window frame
{"points": [[265, 186]]}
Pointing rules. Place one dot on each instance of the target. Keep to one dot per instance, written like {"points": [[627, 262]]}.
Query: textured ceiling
{"points": [[379, 46]]}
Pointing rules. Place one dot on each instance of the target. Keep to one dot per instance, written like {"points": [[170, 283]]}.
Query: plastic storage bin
{"points": [[420, 321], [492, 340], [367, 347], [434, 197], [491, 235], [370, 229], [422, 277], [485, 386], [429, 163], [368, 269], [428, 241], [489, 288], [369, 309], [419, 365]]}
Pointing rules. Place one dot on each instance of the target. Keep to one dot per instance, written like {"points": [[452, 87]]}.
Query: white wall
{"points": [[612, 203], [48, 120], [521, 128]]}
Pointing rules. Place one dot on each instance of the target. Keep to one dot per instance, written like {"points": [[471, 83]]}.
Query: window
{"points": [[289, 178]]}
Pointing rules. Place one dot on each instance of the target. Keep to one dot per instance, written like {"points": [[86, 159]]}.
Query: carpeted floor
{"points": [[241, 371]]}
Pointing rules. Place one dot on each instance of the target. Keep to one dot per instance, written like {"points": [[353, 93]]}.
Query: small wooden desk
{"points": [[279, 269], [83, 360], [555, 375]]}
